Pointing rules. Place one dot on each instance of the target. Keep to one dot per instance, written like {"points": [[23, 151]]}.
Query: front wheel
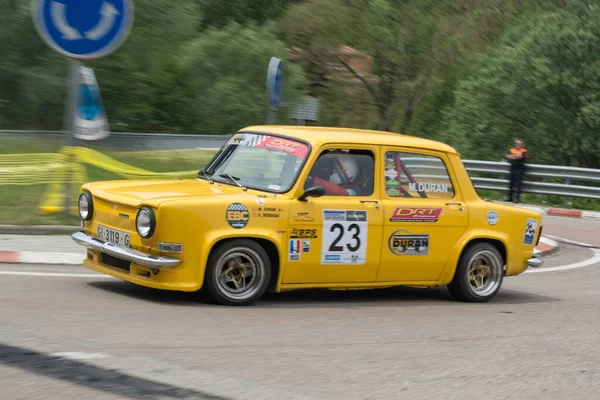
{"points": [[479, 274], [238, 273]]}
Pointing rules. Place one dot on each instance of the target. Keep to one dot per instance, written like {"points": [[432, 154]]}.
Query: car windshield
{"points": [[257, 161]]}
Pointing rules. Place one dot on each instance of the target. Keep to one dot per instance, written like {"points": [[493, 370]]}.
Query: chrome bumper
{"points": [[535, 262], [124, 253]]}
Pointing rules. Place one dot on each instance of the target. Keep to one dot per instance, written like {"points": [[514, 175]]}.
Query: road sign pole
{"points": [[73, 83]]}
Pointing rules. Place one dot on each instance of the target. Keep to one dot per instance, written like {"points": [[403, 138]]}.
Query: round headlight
{"points": [[86, 206], [145, 222]]}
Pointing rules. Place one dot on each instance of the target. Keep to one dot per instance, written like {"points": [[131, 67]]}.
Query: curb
{"points": [[545, 247], [562, 212], [38, 229], [39, 257]]}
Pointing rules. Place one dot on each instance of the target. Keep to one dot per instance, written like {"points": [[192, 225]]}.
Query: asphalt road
{"points": [[93, 337]]}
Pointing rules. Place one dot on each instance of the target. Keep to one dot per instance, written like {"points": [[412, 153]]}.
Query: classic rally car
{"points": [[284, 207]]}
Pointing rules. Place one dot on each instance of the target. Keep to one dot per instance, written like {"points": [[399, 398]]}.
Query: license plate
{"points": [[113, 236]]}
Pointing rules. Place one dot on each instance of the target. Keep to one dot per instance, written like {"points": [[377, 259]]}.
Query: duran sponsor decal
{"points": [[415, 214], [237, 215], [294, 250], [403, 243], [530, 230]]}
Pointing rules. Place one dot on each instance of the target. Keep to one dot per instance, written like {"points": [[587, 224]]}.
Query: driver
{"points": [[336, 173]]}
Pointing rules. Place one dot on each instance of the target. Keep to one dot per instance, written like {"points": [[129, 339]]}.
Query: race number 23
{"points": [[344, 237]]}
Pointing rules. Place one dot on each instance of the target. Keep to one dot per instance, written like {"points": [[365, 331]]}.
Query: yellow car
{"points": [[284, 207]]}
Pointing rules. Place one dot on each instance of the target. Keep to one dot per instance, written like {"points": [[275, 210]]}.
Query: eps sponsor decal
{"points": [[344, 237], [530, 229], [403, 243], [415, 214], [492, 217], [237, 215], [303, 233], [294, 250]]}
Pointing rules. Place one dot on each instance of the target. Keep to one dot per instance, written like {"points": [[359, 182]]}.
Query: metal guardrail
{"points": [[153, 141], [567, 174]]}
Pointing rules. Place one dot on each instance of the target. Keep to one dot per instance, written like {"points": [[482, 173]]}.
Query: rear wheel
{"points": [[238, 273], [479, 274]]}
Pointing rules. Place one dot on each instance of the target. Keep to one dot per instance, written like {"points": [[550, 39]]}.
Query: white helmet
{"points": [[345, 169]]}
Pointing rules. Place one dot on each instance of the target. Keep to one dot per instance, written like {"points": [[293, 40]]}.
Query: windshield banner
{"points": [[272, 143]]}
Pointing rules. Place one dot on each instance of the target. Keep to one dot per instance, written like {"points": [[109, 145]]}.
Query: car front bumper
{"points": [[124, 253], [535, 262]]}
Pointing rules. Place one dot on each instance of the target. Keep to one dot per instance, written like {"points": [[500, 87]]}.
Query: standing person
{"points": [[517, 157]]}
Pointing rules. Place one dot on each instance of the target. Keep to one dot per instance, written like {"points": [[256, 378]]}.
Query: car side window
{"points": [[416, 175], [344, 172]]}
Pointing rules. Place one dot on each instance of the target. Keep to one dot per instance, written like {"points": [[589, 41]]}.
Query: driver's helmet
{"points": [[345, 169]]}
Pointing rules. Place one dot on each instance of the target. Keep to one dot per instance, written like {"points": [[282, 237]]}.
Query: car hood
{"points": [[155, 192]]}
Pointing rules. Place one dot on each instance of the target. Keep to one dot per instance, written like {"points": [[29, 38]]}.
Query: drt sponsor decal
{"points": [[294, 250], [403, 243], [530, 230], [237, 215], [344, 237], [415, 214]]}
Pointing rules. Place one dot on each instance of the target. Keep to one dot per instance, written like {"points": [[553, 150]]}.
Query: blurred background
{"points": [[475, 74]]}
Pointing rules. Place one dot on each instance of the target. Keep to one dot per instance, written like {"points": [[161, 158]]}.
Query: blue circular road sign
{"points": [[83, 29]]}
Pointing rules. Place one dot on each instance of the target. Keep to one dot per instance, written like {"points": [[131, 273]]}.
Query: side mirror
{"points": [[314, 191]]}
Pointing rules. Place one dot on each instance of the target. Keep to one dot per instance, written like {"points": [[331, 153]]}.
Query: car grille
{"points": [[116, 262]]}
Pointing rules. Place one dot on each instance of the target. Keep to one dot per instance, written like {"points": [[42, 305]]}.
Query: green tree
{"points": [[229, 69], [540, 83]]}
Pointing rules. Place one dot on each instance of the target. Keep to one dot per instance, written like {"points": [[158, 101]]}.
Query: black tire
{"points": [[466, 279], [224, 263]]}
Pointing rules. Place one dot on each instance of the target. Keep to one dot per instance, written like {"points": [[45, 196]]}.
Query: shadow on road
{"points": [[317, 298]]}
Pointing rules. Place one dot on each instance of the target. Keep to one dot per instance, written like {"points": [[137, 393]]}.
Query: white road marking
{"points": [[77, 355], [54, 274], [593, 260]]}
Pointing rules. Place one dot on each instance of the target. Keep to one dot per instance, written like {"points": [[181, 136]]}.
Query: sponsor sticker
{"points": [[261, 201], [403, 243], [530, 229], [303, 233], [237, 215], [344, 237], [303, 217], [428, 187], [294, 250], [415, 214], [492, 217], [305, 246]]}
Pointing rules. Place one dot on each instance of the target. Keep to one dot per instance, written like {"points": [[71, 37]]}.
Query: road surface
{"points": [[67, 332]]}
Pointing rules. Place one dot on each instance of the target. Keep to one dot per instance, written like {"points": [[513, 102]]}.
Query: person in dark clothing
{"points": [[517, 157]]}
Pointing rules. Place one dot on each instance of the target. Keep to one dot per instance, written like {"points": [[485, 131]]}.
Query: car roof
{"points": [[318, 135]]}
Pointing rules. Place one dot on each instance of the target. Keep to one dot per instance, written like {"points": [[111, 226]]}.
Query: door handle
{"points": [[371, 201], [455, 203]]}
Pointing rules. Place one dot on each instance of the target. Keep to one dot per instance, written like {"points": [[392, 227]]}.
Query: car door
{"points": [[424, 215], [337, 238]]}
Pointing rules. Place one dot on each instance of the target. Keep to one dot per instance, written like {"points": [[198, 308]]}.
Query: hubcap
{"points": [[240, 273], [485, 272]]}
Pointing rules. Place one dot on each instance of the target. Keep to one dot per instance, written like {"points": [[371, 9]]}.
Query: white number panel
{"points": [[344, 237]]}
